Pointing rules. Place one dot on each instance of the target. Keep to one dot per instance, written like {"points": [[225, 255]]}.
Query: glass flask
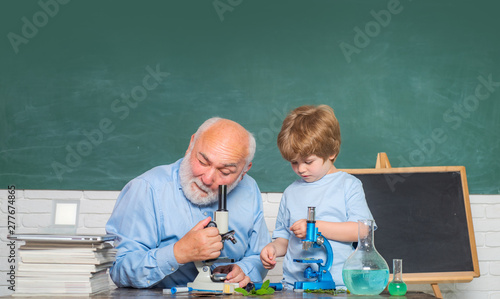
{"points": [[397, 287], [365, 272]]}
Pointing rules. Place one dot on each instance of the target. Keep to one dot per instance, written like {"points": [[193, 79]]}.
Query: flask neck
{"points": [[365, 244], [365, 235], [398, 276], [397, 268]]}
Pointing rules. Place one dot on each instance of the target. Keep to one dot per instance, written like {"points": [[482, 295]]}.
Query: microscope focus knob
{"points": [[211, 224], [229, 236]]}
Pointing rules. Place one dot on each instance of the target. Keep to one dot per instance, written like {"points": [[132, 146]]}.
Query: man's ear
{"points": [[191, 143], [245, 172]]}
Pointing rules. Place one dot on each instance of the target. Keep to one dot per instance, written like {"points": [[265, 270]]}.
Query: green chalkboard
{"points": [[93, 93]]}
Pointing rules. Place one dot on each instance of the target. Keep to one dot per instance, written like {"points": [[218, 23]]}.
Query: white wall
{"points": [[32, 211]]}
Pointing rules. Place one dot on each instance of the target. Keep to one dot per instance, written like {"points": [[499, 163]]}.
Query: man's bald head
{"points": [[231, 133], [220, 153]]}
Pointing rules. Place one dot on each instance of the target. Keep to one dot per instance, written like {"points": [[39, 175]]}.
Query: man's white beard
{"points": [[193, 193]]}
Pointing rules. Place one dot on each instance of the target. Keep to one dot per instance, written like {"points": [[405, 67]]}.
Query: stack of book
{"points": [[47, 268]]}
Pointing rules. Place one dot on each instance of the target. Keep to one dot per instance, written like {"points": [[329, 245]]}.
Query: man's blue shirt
{"points": [[151, 214]]}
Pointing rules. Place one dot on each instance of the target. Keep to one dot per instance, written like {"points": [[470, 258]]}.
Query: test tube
{"points": [[177, 290]]}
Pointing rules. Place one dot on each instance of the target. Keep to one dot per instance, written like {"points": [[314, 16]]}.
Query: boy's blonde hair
{"points": [[310, 130]]}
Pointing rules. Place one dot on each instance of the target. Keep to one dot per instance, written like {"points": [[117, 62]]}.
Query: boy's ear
{"points": [[333, 157]]}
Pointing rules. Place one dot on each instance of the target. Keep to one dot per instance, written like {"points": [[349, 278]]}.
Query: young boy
{"points": [[310, 140]]}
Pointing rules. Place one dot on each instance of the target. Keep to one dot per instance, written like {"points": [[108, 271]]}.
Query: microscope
{"points": [[205, 281], [315, 239]]}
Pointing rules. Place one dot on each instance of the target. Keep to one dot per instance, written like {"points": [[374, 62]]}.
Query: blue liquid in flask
{"points": [[365, 282]]}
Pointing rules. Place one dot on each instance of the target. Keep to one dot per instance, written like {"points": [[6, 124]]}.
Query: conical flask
{"points": [[365, 272]]}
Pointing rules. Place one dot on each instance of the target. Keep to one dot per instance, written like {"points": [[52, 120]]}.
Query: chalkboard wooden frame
{"points": [[401, 176]]}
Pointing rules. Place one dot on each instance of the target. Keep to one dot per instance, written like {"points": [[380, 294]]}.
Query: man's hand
{"points": [[268, 256], [198, 244], [234, 274], [299, 228]]}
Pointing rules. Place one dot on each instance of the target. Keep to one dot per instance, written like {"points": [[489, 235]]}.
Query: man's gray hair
{"points": [[252, 145]]}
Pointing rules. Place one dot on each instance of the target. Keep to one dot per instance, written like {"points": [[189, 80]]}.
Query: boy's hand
{"points": [[299, 228], [268, 256], [234, 274]]}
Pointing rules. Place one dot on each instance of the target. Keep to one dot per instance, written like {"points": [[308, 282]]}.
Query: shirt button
{"points": [[172, 269], [205, 213]]}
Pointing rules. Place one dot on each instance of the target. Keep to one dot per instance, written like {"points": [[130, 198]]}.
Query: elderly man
{"points": [[160, 217]]}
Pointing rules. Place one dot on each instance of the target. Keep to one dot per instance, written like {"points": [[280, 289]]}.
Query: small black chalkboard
{"points": [[423, 217]]}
